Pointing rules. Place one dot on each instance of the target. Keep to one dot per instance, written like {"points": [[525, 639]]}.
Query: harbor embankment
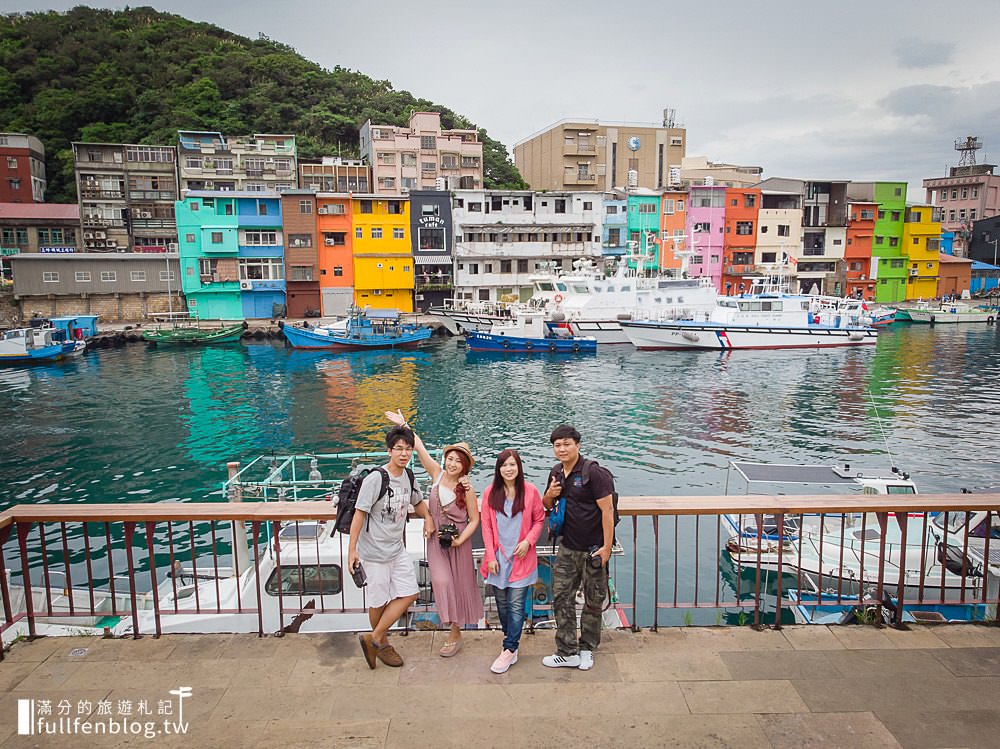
{"points": [[858, 686]]}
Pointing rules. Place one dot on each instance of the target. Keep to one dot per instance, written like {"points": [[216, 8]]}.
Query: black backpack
{"points": [[347, 495]]}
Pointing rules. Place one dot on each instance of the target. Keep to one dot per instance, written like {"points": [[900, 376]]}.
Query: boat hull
{"points": [[477, 341], [945, 317], [302, 338], [194, 336], [45, 355], [646, 335]]}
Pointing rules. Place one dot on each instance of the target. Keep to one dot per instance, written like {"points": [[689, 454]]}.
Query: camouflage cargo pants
{"points": [[573, 568]]}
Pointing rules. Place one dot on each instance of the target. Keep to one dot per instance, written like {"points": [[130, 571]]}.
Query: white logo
{"points": [[122, 717]]}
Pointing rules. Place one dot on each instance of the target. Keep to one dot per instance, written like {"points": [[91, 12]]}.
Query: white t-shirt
{"points": [[381, 538]]}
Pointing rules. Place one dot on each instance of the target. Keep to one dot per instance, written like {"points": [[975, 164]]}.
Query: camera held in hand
{"points": [[446, 533]]}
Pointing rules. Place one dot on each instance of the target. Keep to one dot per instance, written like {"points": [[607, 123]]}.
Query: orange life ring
{"points": [[557, 298]]}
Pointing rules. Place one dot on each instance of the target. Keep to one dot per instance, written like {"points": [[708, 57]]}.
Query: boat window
{"points": [[545, 286], [804, 306], [899, 489], [680, 300], [301, 530], [955, 520], [611, 288], [561, 286], [626, 288], [980, 530], [323, 579]]}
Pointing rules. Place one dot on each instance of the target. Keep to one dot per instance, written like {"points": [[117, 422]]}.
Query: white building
{"points": [[503, 237]]}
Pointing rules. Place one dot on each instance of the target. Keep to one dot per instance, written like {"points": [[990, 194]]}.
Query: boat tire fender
{"points": [[529, 345], [990, 320], [932, 319], [506, 344], [553, 346], [576, 346]]}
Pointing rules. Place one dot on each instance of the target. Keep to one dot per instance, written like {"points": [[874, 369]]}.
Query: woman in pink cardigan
{"points": [[512, 519]]}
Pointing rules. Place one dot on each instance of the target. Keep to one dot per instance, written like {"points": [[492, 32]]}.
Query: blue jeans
{"points": [[510, 609]]}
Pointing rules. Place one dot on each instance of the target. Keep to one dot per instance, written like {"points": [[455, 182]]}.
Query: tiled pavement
{"points": [[848, 686]]}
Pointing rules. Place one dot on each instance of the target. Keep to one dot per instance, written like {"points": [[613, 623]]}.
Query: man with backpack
{"points": [[587, 534], [377, 543]]}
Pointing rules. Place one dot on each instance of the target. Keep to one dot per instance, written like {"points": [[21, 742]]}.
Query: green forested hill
{"points": [[138, 76]]}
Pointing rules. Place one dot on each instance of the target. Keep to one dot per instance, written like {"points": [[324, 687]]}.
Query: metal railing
{"points": [[747, 557]]}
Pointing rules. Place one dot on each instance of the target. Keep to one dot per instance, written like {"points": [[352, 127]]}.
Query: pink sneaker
{"points": [[504, 661]]}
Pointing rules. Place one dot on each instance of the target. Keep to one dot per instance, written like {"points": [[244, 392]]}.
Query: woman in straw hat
{"points": [[452, 504]]}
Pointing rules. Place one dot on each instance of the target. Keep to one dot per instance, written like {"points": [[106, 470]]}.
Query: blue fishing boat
{"points": [[529, 333], [37, 346], [363, 329]]}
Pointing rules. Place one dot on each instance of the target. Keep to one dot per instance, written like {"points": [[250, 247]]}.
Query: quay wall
{"points": [[114, 307]]}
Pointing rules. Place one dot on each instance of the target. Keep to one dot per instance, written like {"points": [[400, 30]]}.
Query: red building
{"points": [[22, 169], [858, 252], [673, 218], [739, 243]]}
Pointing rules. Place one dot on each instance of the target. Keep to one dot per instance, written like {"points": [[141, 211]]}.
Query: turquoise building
{"points": [[231, 254], [644, 230]]}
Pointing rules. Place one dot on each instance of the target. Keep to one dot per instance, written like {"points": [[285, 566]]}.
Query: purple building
{"points": [[706, 226]]}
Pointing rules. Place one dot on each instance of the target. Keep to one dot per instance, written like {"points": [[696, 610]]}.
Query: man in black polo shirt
{"points": [[584, 549]]}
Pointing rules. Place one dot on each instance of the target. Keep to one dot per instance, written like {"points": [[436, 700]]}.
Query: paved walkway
{"points": [[849, 686]]}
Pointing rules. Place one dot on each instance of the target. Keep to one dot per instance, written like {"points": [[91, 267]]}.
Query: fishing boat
{"points": [[529, 333], [363, 329], [183, 335], [951, 313], [37, 346], [767, 317], [881, 315]]}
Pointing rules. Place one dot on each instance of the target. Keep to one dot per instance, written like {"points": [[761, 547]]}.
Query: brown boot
{"points": [[368, 648], [388, 655]]}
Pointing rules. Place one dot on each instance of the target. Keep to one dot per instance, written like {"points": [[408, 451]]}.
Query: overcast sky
{"points": [[878, 89]]}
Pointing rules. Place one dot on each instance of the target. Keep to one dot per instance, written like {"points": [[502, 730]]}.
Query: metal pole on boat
{"points": [[241, 554]]}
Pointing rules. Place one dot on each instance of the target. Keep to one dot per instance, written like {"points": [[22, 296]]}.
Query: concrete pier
{"points": [[802, 686]]}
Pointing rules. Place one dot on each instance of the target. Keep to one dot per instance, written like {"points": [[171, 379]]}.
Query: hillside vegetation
{"points": [[139, 75]]}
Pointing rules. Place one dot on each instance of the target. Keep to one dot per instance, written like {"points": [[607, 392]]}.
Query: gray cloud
{"points": [[922, 53]]}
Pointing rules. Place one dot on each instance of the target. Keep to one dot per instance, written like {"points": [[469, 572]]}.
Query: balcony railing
{"points": [[581, 178], [740, 269], [94, 193], [571, 148], [152, 194], [149, 562]]}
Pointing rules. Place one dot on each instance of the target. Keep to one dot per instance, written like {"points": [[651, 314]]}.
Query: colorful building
{"points": [[301, 251], [334, 174], [859, 281], [739, 244], [232, 254], [922, 247], [779, 231], [209, 160], [706, 220], [383, 255], [22, 169], [432, 237], [336, 252], [614, 232], [643, 230], [888, 265], [673, 225], [955, 275]]}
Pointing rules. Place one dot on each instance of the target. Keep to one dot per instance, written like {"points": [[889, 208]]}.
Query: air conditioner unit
{"points": [[246, 285], [323, 210], [145, 214], [100, 235], [88, 235], [172, 247], [112, 243], [913, 271], [316, 186], [329, 242]]}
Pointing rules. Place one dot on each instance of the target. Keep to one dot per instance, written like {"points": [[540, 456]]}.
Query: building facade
{"points": [[739, 244], [595, 155], [261, 162], [673, 225], [46, 228], [503, 237], [117, 287], [422, 156], [22, 169], [614, 231], [954, 275], [643, 250], [698, 170], [779, 231], [336, 253], [232, 254], [858, 279], [432, 236], [922, 247], [126, 194], [706, 226], [383, 254], [968, 194], [334, 174], [984, 241], [301, 249]]}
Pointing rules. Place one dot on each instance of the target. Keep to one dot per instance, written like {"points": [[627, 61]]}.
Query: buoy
{"points": [[856, 336], [557, 298], [691, 336]]}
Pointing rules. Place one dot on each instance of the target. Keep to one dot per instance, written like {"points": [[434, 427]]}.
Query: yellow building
{"points": [[383, 254], [921, 245]]}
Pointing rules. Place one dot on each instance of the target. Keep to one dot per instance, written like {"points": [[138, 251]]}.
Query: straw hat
{"points": [[462, 447]]}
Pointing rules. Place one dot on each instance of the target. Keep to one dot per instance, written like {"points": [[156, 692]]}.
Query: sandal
{"points": [[450, 648]]}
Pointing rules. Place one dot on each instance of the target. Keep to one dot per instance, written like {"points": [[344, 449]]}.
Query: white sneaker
{"points": [[562, 661], [586, 660]]}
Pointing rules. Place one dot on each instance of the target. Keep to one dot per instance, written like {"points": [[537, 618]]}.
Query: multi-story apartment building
{"points": [[969, 193], [739, 244], [418, 156], [301, 243], [673, 224], [984, 241], [922, 247], [888, 265], [595, 155], [383, 255], [698, 170], [614, 232], [644, 230], [706, 225], [334, 174], [432, 235], [336, 252], [22, 169], [261, 162], [126, 194], [779, 232], [232, 254], [45, 228], [858, 279], [504, 237]]}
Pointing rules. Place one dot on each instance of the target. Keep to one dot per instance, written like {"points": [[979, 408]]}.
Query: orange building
{"points": [[858, 252], [739, 243], [673, 216], [336, 256], [955, 275]]}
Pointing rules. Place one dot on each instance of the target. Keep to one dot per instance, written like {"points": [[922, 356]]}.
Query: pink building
{"points": [[969, 193], [422, 156], [706, 229]]}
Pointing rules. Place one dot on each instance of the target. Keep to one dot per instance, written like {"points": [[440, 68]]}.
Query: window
{"points": [[376, 232], [894, 216], [167, 275], [473, 269], [82, 276], [647, 208], [744, 228], [784, 230], [698, 259], [895, 263], [11, 162], [488, 268], [951, 215], [359, 233], [15, 184], [700, 227], [427, 166], [867, 215], [428, 142], [898, 192], [398, 233], [972, 214], [300, 240], [137, 275], [965, 193], [387, 183], [262, 238], [505, 266], [879, 240], [893, 241], [560, 206], [336, 209], [108, 276], [954, 193], [387, 157], [668, 207], [614, 237], [335, 239], [261, 269], [768, 257], [189, 238], [301, 273], [366, 206], [50, 276], [305, 206], [395, 207], [749, 201], [975, 192], [588, 206], [216, 237], [338, 270], [475, 207], [207, 266], [763, 229], [611, 210], [312, 579], [429, 209]]}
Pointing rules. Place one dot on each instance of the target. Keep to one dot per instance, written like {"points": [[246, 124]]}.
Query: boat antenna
{"points": [[892, 463]]}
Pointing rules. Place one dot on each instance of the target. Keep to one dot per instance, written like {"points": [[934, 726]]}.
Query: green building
{"points": [[888, 258]]}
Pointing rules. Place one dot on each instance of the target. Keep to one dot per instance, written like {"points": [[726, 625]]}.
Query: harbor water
{"points": [[139, 424]]}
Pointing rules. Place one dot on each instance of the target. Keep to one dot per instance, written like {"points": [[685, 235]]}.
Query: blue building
{"points": [[614, 233], [985, 277]]}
